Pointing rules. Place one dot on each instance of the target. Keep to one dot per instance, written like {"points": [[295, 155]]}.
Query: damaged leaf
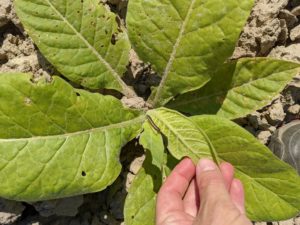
{"points": [[80, 38], [56, 141]]}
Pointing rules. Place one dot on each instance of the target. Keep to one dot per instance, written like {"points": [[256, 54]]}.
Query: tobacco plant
{"points": [[58, 141]]}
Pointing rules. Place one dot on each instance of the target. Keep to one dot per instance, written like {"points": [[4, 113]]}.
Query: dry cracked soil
{"points": [[273, 29]]}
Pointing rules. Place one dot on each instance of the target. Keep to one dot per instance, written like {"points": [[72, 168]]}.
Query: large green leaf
{"points": [[56, 141], [80, 38], [238, 89], [141, 199], [272, 187], [185, 40]]}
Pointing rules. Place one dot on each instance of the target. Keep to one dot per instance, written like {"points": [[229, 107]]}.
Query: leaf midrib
{"points": [[125, 88], [173, 54], [176, 134], [252, 179], [123, 124]]}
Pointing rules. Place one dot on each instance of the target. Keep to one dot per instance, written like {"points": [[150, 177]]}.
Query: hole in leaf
{"points": [[114, 39], [77, 94], [83, 173]]}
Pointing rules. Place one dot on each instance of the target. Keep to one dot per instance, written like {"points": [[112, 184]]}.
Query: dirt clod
{"points": [[295, 33]]}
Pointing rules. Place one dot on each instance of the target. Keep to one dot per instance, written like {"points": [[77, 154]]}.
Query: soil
{"points": [[273, 29]]}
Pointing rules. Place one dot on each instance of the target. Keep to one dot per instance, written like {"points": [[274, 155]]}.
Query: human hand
{"points": [[201, 195]]}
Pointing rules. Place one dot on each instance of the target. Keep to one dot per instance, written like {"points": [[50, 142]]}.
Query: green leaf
{"points": [[272, 187], [185, 40], [183, 136], [209, 99], [141, 199], [56, 141], [239, 89], [80, 38], [152, 140]]}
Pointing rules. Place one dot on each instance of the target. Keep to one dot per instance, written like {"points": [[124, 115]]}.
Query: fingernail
{"points": [[206, 165]]}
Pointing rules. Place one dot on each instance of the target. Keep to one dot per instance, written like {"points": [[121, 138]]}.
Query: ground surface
{"points": [[272, 30]]}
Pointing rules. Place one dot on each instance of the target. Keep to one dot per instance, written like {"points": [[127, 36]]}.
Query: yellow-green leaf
{"points": [[56, 141], [81, 39]]}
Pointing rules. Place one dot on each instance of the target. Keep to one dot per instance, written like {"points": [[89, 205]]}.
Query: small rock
{"points": [[264, 136], [287, 222], [270, 36], [294, 109], [136, 164], [296, 11], [297, 221], [290, 52], [10, 211], [272, 129], [290, 18], [275, 114], [295, 33], [136, 102], [107, 218]]}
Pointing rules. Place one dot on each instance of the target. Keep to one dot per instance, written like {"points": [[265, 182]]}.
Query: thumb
{"points": [[212, 187]]}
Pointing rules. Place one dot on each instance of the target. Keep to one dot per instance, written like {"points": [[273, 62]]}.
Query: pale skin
{"points": [[204, 194]]}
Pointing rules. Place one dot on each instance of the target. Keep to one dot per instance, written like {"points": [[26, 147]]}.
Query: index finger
{"points": [[170, 196]]}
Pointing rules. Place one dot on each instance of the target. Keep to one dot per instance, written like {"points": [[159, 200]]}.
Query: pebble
{"points": [[294, 109], [287, 222], [136, 164], [264, 136], [275, 113], [295, 33], [296, 11]]}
